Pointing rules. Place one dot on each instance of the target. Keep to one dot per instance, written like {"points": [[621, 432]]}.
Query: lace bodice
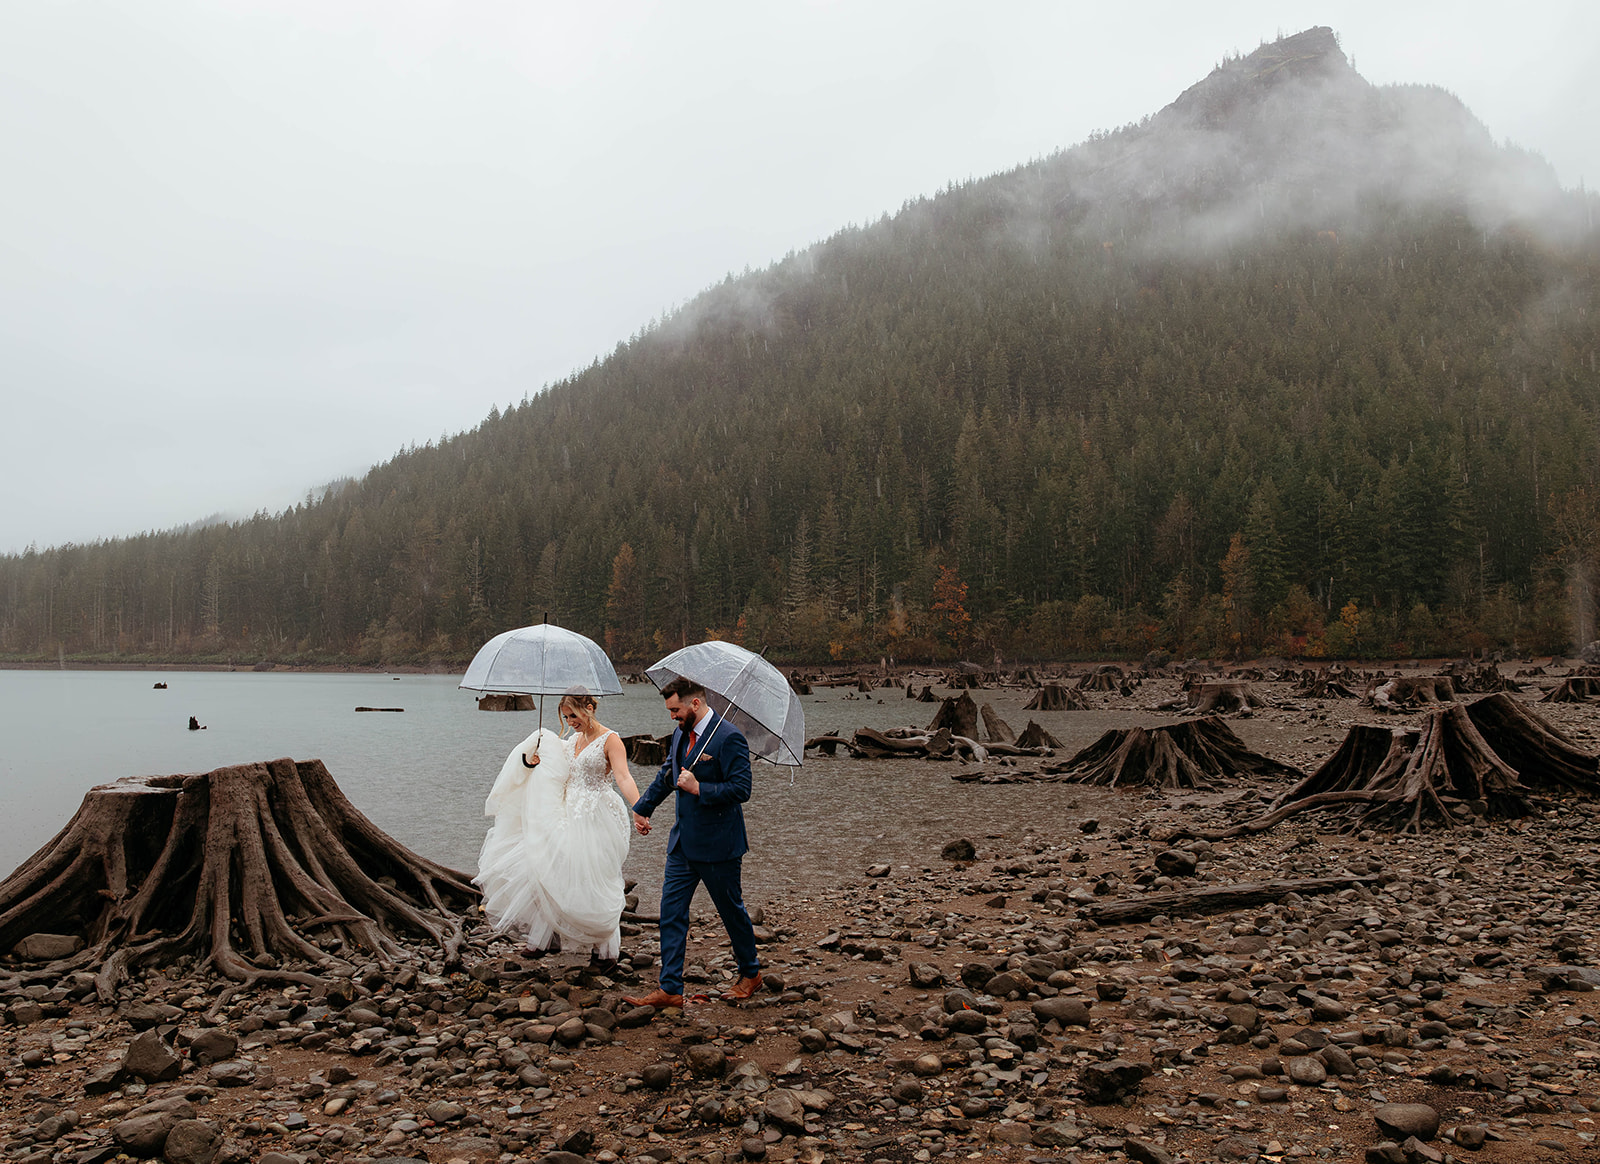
{"points": [[589, 778]]}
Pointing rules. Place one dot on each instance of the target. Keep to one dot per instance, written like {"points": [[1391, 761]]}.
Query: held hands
{"points": [[641, 824]]}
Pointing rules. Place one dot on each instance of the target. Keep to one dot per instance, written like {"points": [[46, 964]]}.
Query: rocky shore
{"points": [[964, 1009]]}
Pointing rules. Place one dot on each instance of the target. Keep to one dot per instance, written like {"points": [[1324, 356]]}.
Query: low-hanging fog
{"points": [[254, 248]]}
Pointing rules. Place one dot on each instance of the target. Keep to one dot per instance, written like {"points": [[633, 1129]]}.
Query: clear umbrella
{"points": [[541, 660], [746, 690]]}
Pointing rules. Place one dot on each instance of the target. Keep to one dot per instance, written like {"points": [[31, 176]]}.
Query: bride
{"points": [[551, 866]]}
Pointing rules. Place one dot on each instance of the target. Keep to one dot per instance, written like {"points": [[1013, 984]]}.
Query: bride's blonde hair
{"points": [[584, 705]]}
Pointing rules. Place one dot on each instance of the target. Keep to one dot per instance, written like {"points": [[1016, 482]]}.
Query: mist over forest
{"points": [[1296, 365]]}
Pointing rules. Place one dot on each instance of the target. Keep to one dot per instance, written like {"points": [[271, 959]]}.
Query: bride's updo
{"points": [[583, 705]]}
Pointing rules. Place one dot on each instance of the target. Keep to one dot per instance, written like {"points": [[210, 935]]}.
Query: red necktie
{"points": [[688, 753]]}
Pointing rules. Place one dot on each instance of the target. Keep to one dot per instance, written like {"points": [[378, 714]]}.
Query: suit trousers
{"points": [[721, 879]]}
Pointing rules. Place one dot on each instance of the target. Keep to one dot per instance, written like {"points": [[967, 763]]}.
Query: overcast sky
{"points": [[248, 248]]}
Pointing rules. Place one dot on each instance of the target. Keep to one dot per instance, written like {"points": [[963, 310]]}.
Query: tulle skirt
{"points": [[552, 862]]}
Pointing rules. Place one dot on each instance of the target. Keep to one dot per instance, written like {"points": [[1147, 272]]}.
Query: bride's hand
{"points": [[527, 763]]}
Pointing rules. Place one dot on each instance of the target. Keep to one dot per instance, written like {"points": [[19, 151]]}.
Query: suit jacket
{"points": [[710, 826]]}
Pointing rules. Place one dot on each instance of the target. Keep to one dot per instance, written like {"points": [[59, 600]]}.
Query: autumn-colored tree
{"points": [[624, 607], [950, 606]]}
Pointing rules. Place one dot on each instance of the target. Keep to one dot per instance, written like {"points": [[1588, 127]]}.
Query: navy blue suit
{"points": [[707, 845]]}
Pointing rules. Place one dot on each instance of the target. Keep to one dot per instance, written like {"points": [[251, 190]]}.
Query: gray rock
{"points": [[1144, 1152], [976, 975], [215, 1045], [1062, 1134], [1069, 1012], [1177, 863], [926, 976], [959, 850], [232, 1073], [150, 1059], [444, 1112], [657, 1076], [47, 947], [144, 1135], [1471, 1136], [707, 1061], [1109, 1081], [191, 1142], [144, 1015], [784, 1109], [1306, 1071], [1401, 1120], [969, 1022]]}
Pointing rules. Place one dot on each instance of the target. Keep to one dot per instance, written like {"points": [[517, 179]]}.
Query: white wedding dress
{"points": [[552, 862]]}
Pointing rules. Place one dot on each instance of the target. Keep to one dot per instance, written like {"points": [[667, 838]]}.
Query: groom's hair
{"points": [[683, 688]]}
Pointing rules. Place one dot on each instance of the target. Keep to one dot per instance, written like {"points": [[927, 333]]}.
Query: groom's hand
{"points": [[642, 824], [688, 783]]}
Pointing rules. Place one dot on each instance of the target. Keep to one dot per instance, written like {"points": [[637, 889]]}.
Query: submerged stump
{"points": [[245, 868]]}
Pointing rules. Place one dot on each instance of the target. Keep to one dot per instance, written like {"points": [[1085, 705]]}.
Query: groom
{"points": [[709, 765]]}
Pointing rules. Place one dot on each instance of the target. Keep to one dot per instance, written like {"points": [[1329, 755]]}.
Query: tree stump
{"points": [[828, 745], [1404, 780], [1544, 758], [958, 713], [242, 868], [647, 750], [1406, 694], [1034, 736], [1481, 680], [1195, 754], [1224, 696], [1322, 686], [1054, 697], [1574, 689], [1103, 678], [495, 702], [999, 731]]}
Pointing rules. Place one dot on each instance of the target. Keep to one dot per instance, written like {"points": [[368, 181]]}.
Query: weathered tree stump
{"points": [[1408, 693], [1574, 689], [1034, 736], [1323, 686], [958, 713], [1223, 696], [496, 702], [1107, 677], [243, 868], [647, 750], [998, 730], [1481, 680], [1195, 754], [1545, 759], [1404, 780], [1054, 697]]}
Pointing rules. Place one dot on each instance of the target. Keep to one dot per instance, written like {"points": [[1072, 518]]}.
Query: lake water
{"points": [[422, 775]]}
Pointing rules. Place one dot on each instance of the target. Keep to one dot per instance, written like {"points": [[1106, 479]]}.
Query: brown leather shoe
{"points": [[657, 998], [743, 989]]}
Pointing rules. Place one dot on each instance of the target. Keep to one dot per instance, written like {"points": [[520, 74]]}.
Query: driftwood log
{"points": [[828, 745], [1216, 899], [1194, 754], [255, 870], [1055, 697]]}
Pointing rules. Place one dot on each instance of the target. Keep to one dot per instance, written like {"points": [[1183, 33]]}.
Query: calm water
{"points": [[422, 775]]}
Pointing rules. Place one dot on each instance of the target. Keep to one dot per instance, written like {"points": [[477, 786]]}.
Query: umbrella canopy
{"points": [[745, 689], [541, 660]]}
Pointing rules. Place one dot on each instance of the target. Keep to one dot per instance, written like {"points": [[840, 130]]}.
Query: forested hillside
{"points": [[1298, 365]]}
